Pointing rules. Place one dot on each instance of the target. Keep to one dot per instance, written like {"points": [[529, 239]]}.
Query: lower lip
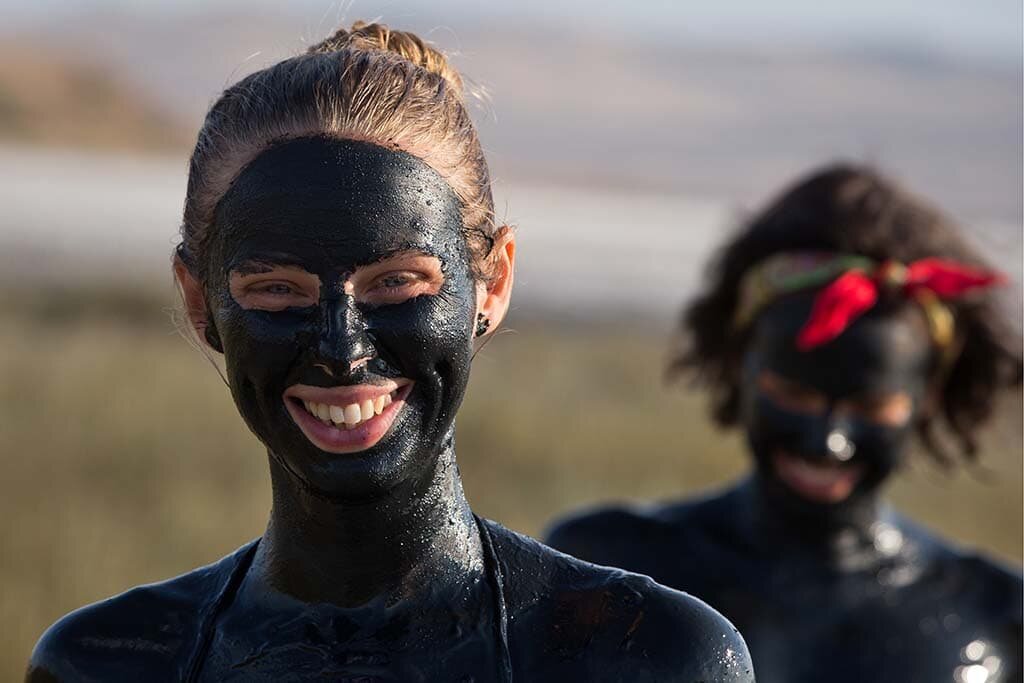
{"points": [[340, 440], [832, 484]]}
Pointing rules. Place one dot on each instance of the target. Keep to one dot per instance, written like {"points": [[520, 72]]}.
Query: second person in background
{"points": [[845, 318]]}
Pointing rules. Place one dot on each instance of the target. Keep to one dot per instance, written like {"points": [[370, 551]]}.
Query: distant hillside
{"points": [[50, 100], [588, 108]]}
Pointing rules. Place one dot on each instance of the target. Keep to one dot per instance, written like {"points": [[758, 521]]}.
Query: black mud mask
{"points": [[885, 351], [328, 207]]}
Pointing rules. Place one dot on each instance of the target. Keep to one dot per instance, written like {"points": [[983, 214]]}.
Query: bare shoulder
{"points": [[147, 633], [669, 635], [602, 534], [580, 621], [612, 534], [963, 574], [994, 588], [125, 635]]}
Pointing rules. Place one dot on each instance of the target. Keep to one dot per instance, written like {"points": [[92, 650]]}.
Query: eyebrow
{"points": [[401, 252], [265, 264], [869, 394], [262, 265]]}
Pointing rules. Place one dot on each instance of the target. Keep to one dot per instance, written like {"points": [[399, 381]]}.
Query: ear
{"points": [[494, 295], [195, 305]]}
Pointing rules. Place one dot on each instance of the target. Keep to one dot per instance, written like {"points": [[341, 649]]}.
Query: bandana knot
{"points": [[892, 274], [851, 286]]}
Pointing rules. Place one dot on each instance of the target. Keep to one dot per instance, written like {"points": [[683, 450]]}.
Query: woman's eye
{"points": [[893, 410], [394, 281], [791, 396], [802, 401], [396, 287], [398, 280], [277, 288]]}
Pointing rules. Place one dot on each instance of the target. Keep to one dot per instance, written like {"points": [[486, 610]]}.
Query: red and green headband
{"points": [[849, 287]]}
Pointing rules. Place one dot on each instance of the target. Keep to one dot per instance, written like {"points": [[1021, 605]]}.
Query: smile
{"points": [[821, 483], [346, 419], [351, 415]]}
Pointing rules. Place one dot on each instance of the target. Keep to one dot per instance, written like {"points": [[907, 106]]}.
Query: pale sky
{"points": [[988, 30]]}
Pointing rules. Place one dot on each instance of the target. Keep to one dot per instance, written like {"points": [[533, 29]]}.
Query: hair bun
{"points": [[408, 46]]}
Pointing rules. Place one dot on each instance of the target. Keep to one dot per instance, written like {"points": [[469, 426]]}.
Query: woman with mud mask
{"points": [[844, 318], [339, 250]]}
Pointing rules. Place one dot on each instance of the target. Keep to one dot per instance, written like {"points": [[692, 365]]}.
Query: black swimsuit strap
{"points": [[497, 580], [223, 599], [208, 620]]}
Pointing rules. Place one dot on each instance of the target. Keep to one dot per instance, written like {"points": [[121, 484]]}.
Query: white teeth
{"points": [[350, 416]]}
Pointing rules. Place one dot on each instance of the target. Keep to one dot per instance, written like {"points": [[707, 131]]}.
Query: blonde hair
{"points": [[366, 83]]}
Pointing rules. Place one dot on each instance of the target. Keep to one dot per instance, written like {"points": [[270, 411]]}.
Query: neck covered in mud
{"points": [[852, 536], [317, 550]]}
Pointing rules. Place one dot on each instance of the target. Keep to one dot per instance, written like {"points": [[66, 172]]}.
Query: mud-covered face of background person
{"points": [[342, 296], [828, 426]]}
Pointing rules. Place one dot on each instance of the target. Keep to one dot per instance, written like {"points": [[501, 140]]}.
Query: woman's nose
{"points": [[836, 437], [827, 437], [838, 444], [345, 343]]}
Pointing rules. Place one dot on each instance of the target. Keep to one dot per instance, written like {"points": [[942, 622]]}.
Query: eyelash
{"points": [[403, 280], [267, 287]]}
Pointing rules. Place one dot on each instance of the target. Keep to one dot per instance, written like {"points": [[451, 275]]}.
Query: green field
{"points": [[124, 460]]}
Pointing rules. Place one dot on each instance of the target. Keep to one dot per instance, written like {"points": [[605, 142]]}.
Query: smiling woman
{"points": [[339, 250], [844, 318]]}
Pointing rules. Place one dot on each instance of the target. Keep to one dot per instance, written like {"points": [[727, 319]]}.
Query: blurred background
{"points": [[625, 143]]}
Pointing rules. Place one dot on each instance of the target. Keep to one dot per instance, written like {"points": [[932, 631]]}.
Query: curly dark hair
{"points": [[852, 208]]}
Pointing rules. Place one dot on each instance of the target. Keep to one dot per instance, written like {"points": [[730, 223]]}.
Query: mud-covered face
{"points": [[340, 289], [831, 424]]}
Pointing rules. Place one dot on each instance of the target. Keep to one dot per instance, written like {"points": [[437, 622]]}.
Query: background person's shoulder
{"points": [[612, 534], [999, 589], [607, 533]]}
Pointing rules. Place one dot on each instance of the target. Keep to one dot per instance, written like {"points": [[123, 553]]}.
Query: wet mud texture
{"points": [[567, 621]]}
